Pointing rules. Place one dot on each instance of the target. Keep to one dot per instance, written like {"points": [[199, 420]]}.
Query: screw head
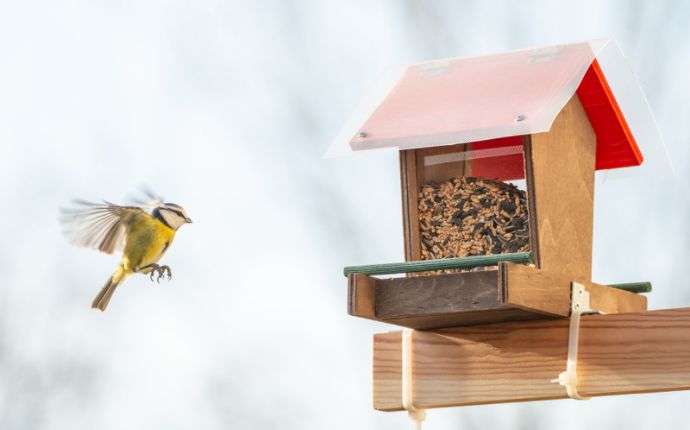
{"points": [[362, 134], [519, 118]]}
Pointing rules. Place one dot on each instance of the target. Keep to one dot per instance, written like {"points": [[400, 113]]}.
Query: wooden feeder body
{"points": [[559, 170], [558, 166]]}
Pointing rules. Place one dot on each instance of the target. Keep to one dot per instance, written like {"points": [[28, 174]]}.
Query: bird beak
{"points": [[188, 220]]}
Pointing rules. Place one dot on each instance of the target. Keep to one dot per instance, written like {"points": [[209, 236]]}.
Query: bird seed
{"points": [[472, 216]]}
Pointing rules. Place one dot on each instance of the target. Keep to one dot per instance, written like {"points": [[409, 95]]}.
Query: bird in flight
{"points": [[142, 232]]}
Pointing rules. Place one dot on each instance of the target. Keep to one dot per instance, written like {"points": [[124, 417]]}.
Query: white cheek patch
{"points": [[173, 219]]}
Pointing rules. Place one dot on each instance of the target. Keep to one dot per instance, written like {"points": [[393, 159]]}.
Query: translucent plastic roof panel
{"points": [[521, 92], [470, 99]]}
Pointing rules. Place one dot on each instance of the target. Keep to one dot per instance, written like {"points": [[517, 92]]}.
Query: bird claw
{"points": [[161, 271]]}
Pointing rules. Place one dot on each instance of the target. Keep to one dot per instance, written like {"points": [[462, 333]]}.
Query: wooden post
{"points": [[516, 361]]}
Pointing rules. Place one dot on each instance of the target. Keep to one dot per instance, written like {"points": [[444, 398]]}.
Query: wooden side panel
{"points": [[429, 302], [549, 292], [532, 288], [512, 362], [410, 190], [531, 201], [562, 166], [451, 300], [437, 294], [361, 295], [614, 301]]}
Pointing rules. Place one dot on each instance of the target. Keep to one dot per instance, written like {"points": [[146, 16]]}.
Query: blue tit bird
{"points": [[143, 233]]}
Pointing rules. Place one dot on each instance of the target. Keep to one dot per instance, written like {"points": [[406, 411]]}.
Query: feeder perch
{"points": [[498, 156]]}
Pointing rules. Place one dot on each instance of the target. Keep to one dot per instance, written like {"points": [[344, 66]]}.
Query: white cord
{"points": [[416, 415], [579, 304]]}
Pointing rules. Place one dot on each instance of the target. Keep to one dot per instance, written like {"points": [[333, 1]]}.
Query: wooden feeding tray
{"points": [[508, 293], [557, 169]]}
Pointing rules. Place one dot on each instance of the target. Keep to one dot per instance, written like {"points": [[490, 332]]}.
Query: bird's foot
{"points": [[161, 271]]}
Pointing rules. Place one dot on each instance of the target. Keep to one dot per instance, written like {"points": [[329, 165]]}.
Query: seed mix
{"points": [[472, 216]]}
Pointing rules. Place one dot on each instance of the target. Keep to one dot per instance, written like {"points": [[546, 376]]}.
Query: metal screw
{"points": [[519, 118], [581, 291], [362, 134], [577, 306]]}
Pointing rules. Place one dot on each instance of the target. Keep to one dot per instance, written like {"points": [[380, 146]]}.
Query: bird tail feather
{"points": [[103, 298]]}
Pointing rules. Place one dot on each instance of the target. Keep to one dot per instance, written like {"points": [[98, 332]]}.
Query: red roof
{"points": [[488, 101], [616, 146]]}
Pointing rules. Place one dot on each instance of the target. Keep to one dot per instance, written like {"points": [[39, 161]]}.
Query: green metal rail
{"points": [[440, 264], [634, 287], [468, 263]]}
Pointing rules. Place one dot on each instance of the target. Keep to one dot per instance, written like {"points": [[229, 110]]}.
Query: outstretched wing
{"points": [[101, 226]]}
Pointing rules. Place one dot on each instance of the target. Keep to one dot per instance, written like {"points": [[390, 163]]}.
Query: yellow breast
{"points": [[147, 241]]}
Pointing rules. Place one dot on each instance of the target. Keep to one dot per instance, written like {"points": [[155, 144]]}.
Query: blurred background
{"points": [[226, 108]]}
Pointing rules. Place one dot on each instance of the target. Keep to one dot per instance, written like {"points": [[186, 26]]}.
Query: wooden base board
{"points": [[513, 292], [514, 362]]}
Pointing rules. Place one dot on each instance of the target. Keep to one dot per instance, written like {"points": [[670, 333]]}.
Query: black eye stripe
{"points": [[157, 214]]}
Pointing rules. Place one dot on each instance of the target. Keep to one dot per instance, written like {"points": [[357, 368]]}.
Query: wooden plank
{"points": [[512, 362], [426, 302], [613, 300], [539, 290], [532, 288], [531, 201], [439, 264], [562, 165], [361, 296], [410, 189], [438, 294]]}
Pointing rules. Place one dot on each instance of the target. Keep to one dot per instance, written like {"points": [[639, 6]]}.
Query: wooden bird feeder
{"points": [[543, 120], [478, 118]]}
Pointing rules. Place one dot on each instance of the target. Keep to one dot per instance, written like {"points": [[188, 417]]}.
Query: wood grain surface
{"points": [[542, 290], [562, 194], [516, 361], [438, 294], [410, 188], [514, 292]]}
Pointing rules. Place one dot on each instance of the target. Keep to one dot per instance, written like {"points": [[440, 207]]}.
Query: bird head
{"points": [[172, 214]]}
